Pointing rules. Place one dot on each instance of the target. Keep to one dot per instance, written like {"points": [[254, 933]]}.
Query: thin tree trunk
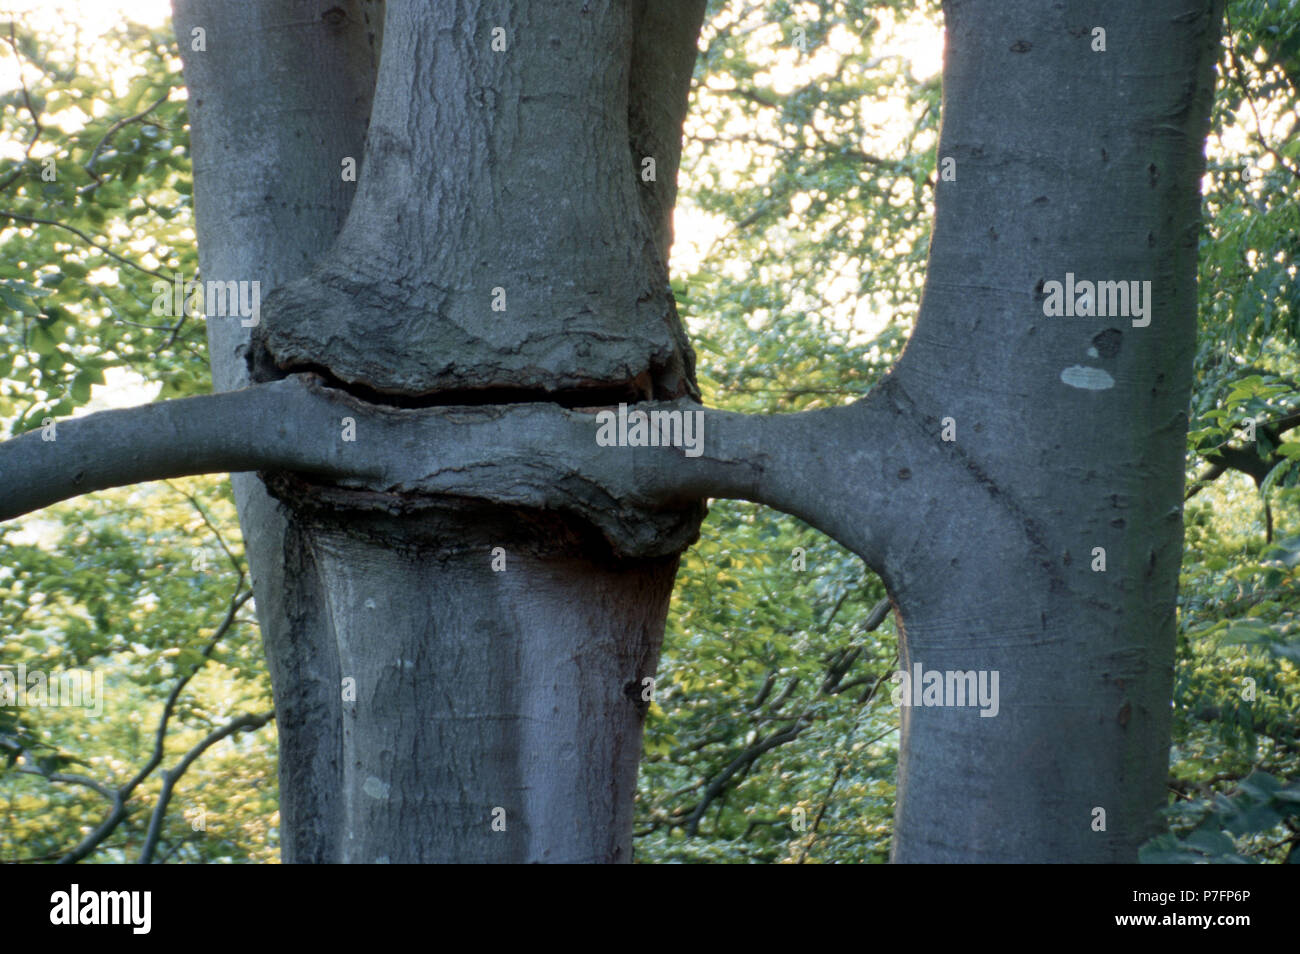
{"points": [[279, 92]]}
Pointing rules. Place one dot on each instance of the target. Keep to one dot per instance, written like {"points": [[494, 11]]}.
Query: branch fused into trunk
{"points": [[538, 455]]}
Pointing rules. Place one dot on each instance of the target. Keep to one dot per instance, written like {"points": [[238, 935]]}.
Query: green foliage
{"points": [[94, 213], [1236, 690], [134, 584], [766, 741], [1220, 824], [819, 195], [772, 736]]}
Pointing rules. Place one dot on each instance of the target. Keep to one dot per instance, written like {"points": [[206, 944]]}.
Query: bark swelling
{"points": [[498, 239]]}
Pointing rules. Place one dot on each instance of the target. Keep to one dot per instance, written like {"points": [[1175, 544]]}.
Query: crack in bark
{"points": [[597, 395]]}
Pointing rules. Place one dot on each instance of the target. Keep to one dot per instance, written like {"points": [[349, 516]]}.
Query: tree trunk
{"points": [[1070, 431], [497, 713], [277, 92], [439, 698]]}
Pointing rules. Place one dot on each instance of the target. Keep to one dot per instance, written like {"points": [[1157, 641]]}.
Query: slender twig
{"points": [[33, 220], [83, 780], [112, 131], [1245, 458], [830, 790], [741, 761], [821, 813], [221, 540], [27, 99], [120, 797], [1238, 70], [243, 723]]}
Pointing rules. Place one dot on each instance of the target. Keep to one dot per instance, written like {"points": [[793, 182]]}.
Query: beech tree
{"points": [[462, 567]]}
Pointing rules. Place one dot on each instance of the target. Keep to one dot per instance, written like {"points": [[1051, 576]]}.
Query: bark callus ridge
{"points": [[450, 526], [396, 338], [476, 255], [622, 531], [625, 533]]}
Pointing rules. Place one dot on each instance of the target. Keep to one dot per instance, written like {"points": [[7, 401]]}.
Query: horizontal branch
{"points": [[537, 455], [259, 427], [65, 777]]}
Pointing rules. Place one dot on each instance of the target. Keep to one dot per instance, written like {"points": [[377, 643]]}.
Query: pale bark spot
{"points": [[1089, 379]]}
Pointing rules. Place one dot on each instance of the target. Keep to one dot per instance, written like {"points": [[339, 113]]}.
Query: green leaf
{"points": [[1239, 634], [1211, 841], [42, 341], [80, 389], [18, 303]]}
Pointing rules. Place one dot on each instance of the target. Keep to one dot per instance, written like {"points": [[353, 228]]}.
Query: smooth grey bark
{"points": [[498, 240], [280, 91], [1068, 160]]}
